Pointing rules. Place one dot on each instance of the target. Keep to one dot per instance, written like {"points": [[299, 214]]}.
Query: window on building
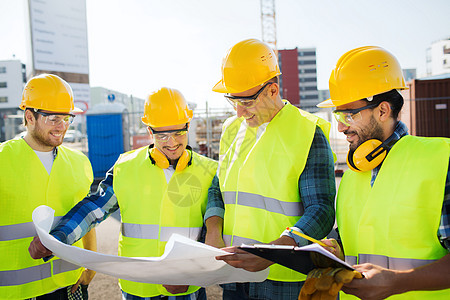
{"points": [[3, 99], [306, 62], [306, 53], [3, 84], [2, 69], [308, 88], [446, 50], [309, 97], [307, 79]]}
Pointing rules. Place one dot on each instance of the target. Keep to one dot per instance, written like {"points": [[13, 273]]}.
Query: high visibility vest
{"points": [[259, 178], [394, 224], [153, 209], [24, 185]]}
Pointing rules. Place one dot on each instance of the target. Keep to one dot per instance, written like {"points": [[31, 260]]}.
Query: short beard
{"points": [[373, 131], [38, 136]]}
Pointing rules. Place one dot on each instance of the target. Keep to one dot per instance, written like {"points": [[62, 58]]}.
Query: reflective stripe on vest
{"points": [[408, 195], [153, 209], [238, 240], [292, 209], [35, 273], [68, 182], [149, 231], [259, 169], [19, 231], [393, 263]]}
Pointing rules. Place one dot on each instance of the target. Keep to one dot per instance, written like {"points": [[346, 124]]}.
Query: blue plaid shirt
{"points": [[88, 213], [317, 190]]}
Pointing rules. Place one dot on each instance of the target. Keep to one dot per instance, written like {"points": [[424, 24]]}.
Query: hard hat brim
{"points": [[76, 110], [325, 104], [220, 88]]}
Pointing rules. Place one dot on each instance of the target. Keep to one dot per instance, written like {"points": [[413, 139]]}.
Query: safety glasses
{"points": [[165, 135], [55, 119], [350, 116], [246, 101]]}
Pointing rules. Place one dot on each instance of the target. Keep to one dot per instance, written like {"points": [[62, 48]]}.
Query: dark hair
{"points": [[394, 98], [274, 79], [35, 114]]}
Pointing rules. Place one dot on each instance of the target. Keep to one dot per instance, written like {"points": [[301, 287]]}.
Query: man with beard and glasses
{"points": [[276, 170], [393, 205], [37, 170], [160, 189]]}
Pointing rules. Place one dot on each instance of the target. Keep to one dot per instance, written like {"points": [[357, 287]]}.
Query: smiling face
{"points": [[42, 135], [174, 146], [363, 128], [265, 106]]}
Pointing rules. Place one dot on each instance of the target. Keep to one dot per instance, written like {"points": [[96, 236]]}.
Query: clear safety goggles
{"points": [[350, 116], [246, 101], [55, 119], [164, 136]]}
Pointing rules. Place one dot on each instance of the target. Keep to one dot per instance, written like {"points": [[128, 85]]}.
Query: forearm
{"points": [[434, 276], [90, 240]]}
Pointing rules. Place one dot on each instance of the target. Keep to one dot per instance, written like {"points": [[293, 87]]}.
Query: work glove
{"points": [[325, 283]]}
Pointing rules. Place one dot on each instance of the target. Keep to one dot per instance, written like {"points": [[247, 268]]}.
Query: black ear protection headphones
{"points": [[158, 158], [369, 154]]}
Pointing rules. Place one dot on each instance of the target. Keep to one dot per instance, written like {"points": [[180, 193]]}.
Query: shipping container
{"points": [[426, 111]]}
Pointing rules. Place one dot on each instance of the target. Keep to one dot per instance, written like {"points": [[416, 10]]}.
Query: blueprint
{"points": [[184, 262]]}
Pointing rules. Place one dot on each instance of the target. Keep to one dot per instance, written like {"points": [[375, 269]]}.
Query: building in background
{"points": [[12, 80], [438, 57], [409, 74], [298, 82], [426, 111], [134, 105]]}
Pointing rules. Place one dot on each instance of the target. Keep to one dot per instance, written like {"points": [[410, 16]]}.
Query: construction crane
{"points": [[268, 23]]}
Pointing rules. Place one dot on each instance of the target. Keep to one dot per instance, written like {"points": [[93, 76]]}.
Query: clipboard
{"points": [[301, 259]]}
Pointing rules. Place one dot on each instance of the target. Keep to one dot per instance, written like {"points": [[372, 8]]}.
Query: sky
{"points": [[138, 46]]}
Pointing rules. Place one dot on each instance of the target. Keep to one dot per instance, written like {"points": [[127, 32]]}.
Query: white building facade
{"points": [[438, 57]]}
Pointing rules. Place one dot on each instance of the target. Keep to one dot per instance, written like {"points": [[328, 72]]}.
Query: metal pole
{"points": [[208, 131]]}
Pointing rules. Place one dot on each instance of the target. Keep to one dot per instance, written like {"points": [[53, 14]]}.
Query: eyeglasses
{"points": [[55, 119], [246, 101], [350, 116], [164, 136]]}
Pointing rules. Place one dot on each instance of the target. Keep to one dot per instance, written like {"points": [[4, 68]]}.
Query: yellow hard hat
{"points": [[362, 73], [48, 92], [166, 107], [247, 64]]}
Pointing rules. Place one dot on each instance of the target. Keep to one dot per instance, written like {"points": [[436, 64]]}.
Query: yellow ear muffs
{"points": [[367, 156], [161, 160], [183, 161]]}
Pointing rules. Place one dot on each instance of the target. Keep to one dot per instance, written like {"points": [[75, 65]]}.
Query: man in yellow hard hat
{"points": [[393, 205], [276, 170], [161, 189], [37, 170]]}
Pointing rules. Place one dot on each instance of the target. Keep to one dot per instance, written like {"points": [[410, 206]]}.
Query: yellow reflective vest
{"points": [[394, 224], [259, 171], [24, 185], [153, 209]]}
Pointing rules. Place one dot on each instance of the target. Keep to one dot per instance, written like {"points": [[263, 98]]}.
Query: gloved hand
{"points": [[326, 283]]}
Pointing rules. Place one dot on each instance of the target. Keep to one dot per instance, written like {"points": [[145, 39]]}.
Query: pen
{"points": [[306, 237]]}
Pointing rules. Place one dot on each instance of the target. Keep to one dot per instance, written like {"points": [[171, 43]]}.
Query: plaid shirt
{"points": [[444, 228], [88, 213], [317, 190]]}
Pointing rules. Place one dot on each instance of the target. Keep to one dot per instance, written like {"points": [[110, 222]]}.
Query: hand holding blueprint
{"points": [[184, 262]]}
